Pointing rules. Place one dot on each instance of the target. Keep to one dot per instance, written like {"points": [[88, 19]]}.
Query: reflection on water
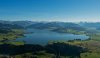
{"points": [[36, 36]]}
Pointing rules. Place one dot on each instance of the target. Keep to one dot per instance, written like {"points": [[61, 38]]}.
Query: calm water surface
{"points": [[36, 36]]}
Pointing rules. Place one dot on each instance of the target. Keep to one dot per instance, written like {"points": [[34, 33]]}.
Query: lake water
{"points": [[36, 36]]}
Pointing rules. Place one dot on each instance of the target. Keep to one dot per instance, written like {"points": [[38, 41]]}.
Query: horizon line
{"points": [[55, 21]]}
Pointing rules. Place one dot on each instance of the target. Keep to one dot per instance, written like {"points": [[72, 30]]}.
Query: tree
{"points": [[62, 49]]}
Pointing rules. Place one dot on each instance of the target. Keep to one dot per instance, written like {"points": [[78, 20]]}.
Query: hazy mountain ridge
{"points": [[49, 25], [56, 25], [91, 24], [31, 24], [7, 26]]}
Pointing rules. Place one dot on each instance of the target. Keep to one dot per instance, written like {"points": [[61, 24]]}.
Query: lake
{"points": [[37, 36]]}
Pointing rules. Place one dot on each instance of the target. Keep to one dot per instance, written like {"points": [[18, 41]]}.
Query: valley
{"points": [[48, 40]]}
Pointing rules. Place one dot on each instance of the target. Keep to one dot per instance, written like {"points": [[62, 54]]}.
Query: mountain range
{"points": [[48, 25]]}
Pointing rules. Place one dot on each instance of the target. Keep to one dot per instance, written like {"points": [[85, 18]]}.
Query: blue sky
{"points": [[50, 10]]}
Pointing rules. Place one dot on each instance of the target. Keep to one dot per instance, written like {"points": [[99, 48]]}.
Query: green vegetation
{"points": [[77, 48], [95, 37], [55, 50], [7, 38], [13, 34], [90, 55], [73, 31]]}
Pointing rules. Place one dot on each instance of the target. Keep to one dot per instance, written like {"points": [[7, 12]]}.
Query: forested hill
{"points": [[56, 25], [10, 26], [49, 25], [40, 25], [95, 25]]}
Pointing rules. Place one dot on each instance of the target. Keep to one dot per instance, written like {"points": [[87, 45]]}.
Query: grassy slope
{"points": [[15, 33], [93, 45]]}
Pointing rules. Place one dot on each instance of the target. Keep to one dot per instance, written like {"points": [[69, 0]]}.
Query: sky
{"points": [[50, 10]]}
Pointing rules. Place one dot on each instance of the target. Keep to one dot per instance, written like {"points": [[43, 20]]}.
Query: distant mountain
{"points": [[41, 25], [23, 23], [18, 23], [56, 25], [9, 25], [95, 25], [5, 31]]}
